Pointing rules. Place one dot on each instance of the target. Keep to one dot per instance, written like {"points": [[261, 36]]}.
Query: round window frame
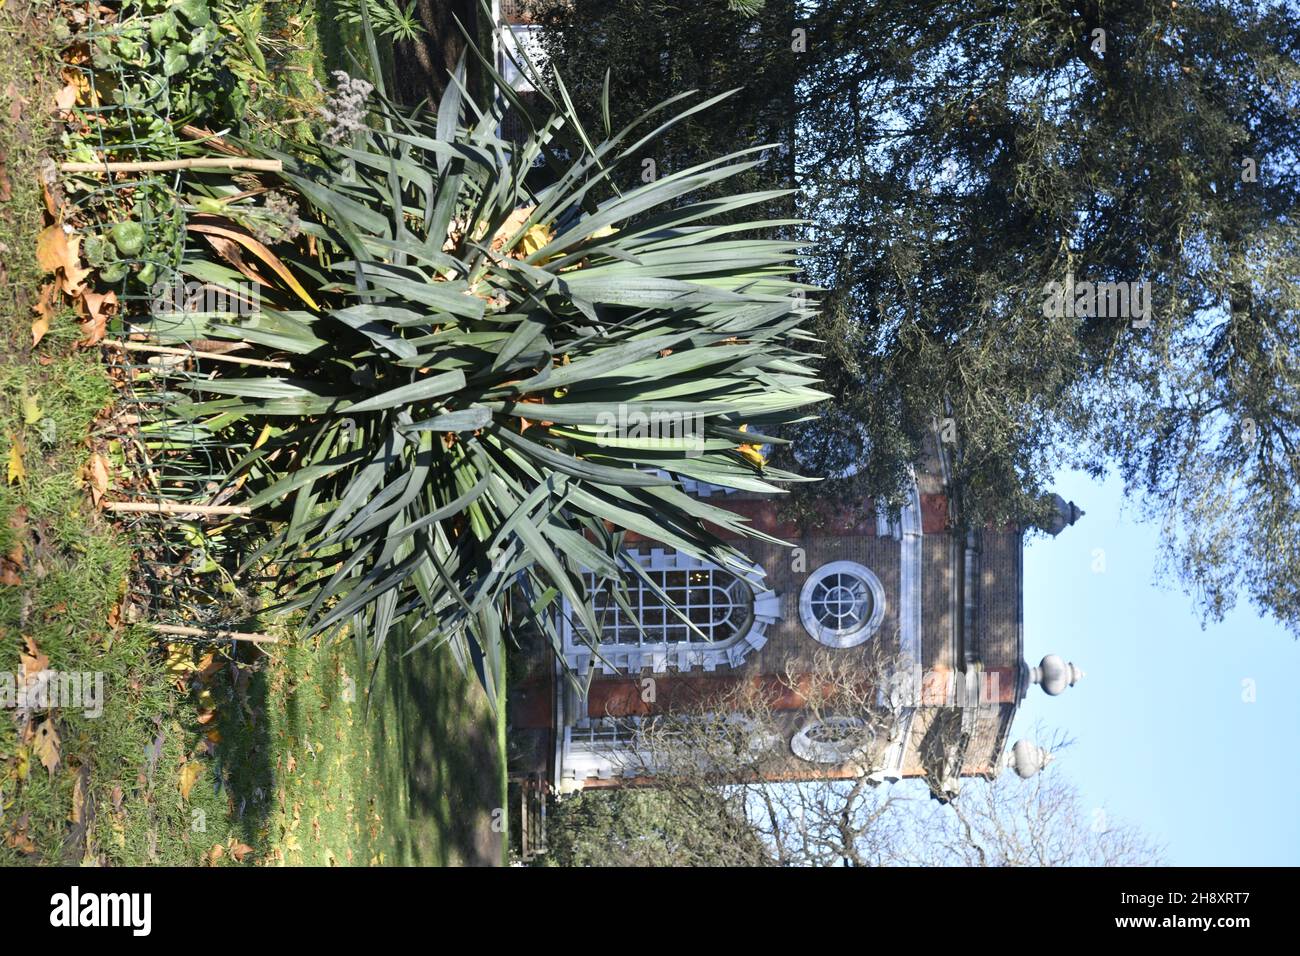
{"points": [[810, 750], [850, 638]]}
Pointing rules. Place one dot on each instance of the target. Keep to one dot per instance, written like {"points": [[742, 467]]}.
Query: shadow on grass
{"points": [[448, 760]]}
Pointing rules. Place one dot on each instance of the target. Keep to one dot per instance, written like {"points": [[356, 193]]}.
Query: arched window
{"points": [[729, 614], [716, 602], [842, 604]]}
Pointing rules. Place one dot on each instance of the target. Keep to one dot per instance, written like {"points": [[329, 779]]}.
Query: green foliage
{"points": [[454, 426], [387, 17], [626, 826], [648, 47], [955, 158], [992, 149]]}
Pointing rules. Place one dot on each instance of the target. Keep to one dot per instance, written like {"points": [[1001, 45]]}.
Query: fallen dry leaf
{"points": [[239, 851], [99, 307], [66, 98], [12, 564], [58, 250], [16, 103], [45, 309], [190, 773], [78, 814], [46, 745], [97, 475], [32, 660], [17, 470]]}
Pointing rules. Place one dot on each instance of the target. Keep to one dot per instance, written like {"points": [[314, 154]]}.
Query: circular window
{"points": [[842, 604], [833, 740]]}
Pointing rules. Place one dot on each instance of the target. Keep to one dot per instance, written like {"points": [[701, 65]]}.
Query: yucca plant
{"points": [[473, 364]]}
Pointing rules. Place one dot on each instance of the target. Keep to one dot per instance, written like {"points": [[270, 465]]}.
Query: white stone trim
{"points": [[909, 587], [805, 747], [855, 636], [677, 655]]}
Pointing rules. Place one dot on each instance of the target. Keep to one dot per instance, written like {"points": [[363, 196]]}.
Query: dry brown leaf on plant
{"points": [[232, 252], [214, 226]]}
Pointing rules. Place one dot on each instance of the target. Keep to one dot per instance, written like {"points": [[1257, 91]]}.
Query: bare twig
{"points": [[214, 356], [181, 631], [174, 508], [166, 165]]}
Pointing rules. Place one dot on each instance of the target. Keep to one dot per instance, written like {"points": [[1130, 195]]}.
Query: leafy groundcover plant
{"points": [[484, 383]]}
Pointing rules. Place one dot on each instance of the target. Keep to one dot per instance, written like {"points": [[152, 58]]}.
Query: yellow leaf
{"points": [[31, 408], [535, 238], [17, 470], [261, 438], [180, 660], [190, 773]]}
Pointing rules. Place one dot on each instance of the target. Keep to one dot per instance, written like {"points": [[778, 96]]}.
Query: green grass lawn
{"points": [[263, 758], [414, 781]]}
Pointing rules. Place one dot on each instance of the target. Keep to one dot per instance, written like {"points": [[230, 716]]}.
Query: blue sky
{"points": [[1163, 735]]}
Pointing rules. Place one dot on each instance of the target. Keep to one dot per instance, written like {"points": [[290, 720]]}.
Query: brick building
{"points": [[943, 606]]}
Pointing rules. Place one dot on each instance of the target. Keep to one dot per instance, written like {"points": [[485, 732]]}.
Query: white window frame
{"points": [[842, 637], [659, 656]]}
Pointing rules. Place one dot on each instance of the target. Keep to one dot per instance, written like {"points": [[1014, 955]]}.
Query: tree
{"points": [[957, 158], [715, 786], [648, 48], [1008, 146], [1012, 822]]}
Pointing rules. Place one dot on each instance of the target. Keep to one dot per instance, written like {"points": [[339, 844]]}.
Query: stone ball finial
{"points": [[1027, 758], [1064, 513], [1054, 675]]}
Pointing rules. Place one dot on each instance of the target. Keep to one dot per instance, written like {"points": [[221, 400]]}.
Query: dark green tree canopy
{"points": [[955, 159]]}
